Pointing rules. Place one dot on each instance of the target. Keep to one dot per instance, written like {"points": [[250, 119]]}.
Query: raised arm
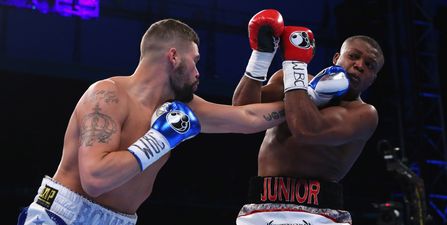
{"points": [[334, 125], [264, 30], [253, 118]]}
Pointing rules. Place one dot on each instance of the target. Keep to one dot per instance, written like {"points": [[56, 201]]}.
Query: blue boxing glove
{"points": [[172, 123], [330, 83]]}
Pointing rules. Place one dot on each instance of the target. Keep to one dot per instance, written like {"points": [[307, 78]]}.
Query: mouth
{"points": [[196, 85], [353, 78]]}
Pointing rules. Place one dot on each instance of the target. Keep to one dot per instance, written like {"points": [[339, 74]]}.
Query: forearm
{"points": [[108, 172], [246, 119], [264, 116], [248, 91], [302, 116]]}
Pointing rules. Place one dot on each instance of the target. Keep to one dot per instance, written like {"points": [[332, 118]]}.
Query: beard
{"points": [[182, 91]]}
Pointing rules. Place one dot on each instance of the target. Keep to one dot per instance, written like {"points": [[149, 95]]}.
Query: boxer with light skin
{"points": [[302, 161], [123, 128]]}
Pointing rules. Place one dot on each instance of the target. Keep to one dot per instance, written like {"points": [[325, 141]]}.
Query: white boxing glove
{"points": [[328, 84]]}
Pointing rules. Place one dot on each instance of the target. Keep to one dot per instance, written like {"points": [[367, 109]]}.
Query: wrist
{"points": [[294, 75], [258, 65], [149, 148]]}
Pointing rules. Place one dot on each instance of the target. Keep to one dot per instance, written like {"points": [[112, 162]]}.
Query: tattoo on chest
{"points": [[274, 115], [97, 127]]}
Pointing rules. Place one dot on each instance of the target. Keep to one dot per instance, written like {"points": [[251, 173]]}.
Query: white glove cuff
{"points": [[258, 65], [149, 148], [295, 75]]}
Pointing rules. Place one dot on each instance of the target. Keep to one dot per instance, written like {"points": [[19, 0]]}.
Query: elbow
{"points": [[92, 186], [236, 101]]}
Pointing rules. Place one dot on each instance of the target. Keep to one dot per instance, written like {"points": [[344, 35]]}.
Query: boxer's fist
{"points": [[172, 123], [298, 44], [264, 30], [330, 83], [176, 121]]}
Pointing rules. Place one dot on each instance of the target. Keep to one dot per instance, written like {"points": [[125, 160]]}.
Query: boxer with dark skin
{"points": [[315, 144]]}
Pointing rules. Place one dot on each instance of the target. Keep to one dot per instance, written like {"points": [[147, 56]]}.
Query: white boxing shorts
{"points": [[57, 205], [297, 201]]}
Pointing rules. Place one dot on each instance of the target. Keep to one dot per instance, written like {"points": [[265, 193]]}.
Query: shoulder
{"points": [[200, 105], [196, 101], [363, 108], [105, 95], [358, 108], [355, 115], [206, 109], [366, 115], [106, 90], [106, 84]]}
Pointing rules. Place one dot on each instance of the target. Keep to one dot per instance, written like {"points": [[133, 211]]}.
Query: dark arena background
{"points": [[51, 50]]}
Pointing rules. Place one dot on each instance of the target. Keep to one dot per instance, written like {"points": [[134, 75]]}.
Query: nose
{"points": [[197, 73], [359, 65]]}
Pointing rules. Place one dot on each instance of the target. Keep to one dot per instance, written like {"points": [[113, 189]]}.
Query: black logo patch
{"points": [[179, 121], [300, 39], [46, 198]]}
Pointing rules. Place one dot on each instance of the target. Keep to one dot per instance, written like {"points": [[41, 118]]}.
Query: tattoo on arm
{"points": [[274, 115], [106, 95], [97, 126]]}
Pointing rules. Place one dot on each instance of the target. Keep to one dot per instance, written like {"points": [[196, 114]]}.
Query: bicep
{"points": [[99, 115]]}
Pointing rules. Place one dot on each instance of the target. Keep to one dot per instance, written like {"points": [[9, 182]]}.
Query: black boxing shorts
{"points": [[289, 200]]}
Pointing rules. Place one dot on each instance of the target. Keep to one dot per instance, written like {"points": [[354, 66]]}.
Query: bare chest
{"points": [[136, 124]]}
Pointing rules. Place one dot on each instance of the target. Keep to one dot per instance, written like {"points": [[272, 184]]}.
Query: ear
{"points": [[173, 56], [335, 58], [374, 79]]}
